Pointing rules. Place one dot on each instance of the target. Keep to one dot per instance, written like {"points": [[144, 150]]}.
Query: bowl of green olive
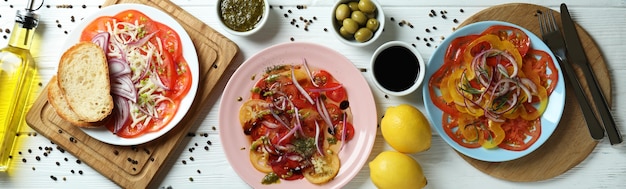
{"points": [[358, 22]]}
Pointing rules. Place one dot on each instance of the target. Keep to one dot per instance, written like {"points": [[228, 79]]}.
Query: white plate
{"points": [[189, 52], [549, 120]]}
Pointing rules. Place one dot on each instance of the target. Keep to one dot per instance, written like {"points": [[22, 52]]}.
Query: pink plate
{"points": [[236, 144]]}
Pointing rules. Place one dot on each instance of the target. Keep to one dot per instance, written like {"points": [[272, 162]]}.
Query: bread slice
{"points": [[58, 102], [83, 77]]}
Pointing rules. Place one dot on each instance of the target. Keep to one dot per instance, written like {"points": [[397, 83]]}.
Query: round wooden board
{"points": [[571, 142]]}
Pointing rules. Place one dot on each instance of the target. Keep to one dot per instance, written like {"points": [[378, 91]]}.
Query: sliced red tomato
{"points": [[170, 40], [334, 112], [167, 72], [286, 168], [339, 131], [131, 132], [454, 52], [308, 119], [451, 127], [166, 111], [99, 25], [322, 77], [183, 80], [132, 16], [513, 34], [517, 131], [336, 95]]}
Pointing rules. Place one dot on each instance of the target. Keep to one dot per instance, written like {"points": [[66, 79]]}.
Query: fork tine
{"points": [[552, 21], [541, 27]]}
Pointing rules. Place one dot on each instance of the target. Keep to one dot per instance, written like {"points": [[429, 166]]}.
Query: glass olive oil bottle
{"points": [[17, 81]]}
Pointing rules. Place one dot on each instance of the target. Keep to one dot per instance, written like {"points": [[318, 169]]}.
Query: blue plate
{"points": [[549, 120]]}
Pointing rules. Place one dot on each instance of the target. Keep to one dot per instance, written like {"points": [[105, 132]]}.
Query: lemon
{"points": [[392, 169], [405, 129]]}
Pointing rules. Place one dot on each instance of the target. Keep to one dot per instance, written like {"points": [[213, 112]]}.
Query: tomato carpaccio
{"points": [[493, 88], [157, 78], [296, 114]]}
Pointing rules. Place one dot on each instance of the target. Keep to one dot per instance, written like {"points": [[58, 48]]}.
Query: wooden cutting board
{"points": [[137, 166], [571, 142]]}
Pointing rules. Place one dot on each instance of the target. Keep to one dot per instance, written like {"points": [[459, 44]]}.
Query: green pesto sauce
{"points": [[241, 15], [270, 178]]}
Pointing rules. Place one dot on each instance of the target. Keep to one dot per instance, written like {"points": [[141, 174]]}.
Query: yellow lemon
{"points": [[405, 128], [391, 169]]}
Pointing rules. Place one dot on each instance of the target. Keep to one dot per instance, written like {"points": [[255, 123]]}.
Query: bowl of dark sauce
{"points": [[397, 68]]}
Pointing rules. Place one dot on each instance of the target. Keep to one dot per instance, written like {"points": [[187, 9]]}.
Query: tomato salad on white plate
{"points": [[152, 82]]}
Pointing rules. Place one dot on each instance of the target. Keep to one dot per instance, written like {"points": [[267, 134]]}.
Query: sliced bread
{"points": [[83, 77], [58, 102]]}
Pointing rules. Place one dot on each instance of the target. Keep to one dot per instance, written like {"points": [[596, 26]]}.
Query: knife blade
{"points": [[577, 56]]}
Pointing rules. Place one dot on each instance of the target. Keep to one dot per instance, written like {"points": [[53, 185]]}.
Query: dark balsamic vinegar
{"points": [[396, 68]]}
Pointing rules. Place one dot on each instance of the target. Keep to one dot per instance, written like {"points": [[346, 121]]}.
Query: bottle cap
{"points": [[27, 17]]}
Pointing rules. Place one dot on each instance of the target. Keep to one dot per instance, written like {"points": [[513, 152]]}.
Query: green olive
{"points": [[363, 35], [342, 12], [367, 6], [345, 34], [359, 17], [372, 24], [350, 25], [354, 6]]}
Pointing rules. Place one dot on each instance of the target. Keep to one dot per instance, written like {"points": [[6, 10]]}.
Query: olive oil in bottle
{"points": [[17, 81]]}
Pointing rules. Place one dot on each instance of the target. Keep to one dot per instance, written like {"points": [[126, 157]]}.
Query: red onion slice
{"points": [[295, 82], [118, 67], [102, 39], [121, 114]]}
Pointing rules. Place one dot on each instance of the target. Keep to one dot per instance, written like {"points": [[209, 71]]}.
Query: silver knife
{"points": [[577, 56]]}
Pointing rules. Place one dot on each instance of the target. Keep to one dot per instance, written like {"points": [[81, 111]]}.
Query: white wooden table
{"points": [[444, 168]]}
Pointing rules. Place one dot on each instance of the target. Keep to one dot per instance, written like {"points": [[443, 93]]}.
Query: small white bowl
{"points": [[393, 74], [257, 26], [380, 16]]}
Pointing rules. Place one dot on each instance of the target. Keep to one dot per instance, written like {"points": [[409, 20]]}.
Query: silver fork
{"points": [[552, 36]]}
